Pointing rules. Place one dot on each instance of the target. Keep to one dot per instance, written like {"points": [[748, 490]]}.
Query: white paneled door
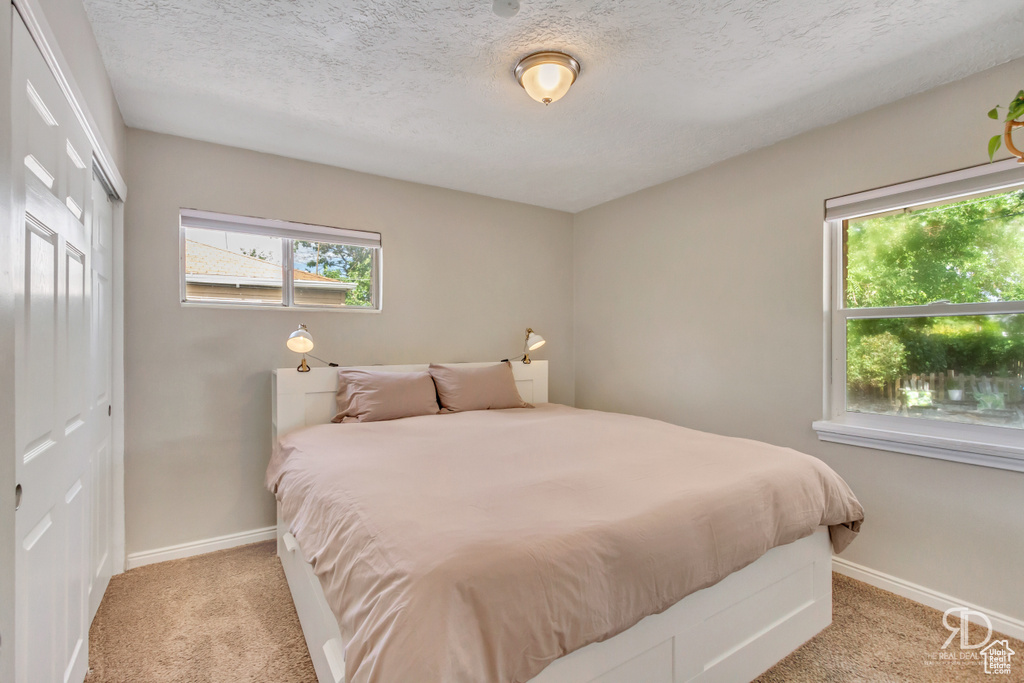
{"points": [[62, 381], [100, 395]]}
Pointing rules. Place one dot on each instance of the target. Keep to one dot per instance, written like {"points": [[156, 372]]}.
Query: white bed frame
{"points": [[730, 632]]}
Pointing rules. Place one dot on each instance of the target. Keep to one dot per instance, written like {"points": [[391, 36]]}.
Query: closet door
{"points": [[56, 415], [100, 456]]}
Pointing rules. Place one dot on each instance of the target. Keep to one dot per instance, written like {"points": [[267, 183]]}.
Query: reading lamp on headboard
{"points": [[533, 342], [301, 341]]}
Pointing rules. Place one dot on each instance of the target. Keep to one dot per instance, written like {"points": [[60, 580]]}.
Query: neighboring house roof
{"points": [[203, 260]]}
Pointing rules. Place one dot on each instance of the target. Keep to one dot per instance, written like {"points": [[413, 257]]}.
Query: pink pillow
{"points": [[370, 396], [482, 388]]}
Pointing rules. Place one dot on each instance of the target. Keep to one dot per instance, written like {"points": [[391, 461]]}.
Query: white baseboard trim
{"points": [[1002, 623], [208, 545]]}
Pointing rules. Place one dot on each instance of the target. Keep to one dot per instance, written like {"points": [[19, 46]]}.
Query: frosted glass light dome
{"points": [[547, 76]]}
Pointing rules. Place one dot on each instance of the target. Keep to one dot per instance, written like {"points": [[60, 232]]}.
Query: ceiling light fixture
{"points": [[546, 76]]}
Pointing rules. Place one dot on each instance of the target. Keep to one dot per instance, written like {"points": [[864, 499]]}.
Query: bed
{"points": [[743, 610]]}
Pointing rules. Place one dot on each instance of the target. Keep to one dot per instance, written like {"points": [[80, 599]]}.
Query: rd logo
{"points": [[961, 627]]}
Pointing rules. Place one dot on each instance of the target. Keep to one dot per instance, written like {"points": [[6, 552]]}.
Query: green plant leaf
{"points": [[1016, 111], [993, 146], [994, 114]]}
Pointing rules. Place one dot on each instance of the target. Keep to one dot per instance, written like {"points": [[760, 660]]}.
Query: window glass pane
{"points": [[232, 267], [327, 274], [970, 251], [967, 369]]}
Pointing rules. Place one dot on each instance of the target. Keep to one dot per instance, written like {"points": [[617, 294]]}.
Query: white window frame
{"points": [[999, 447], [288, 232]]}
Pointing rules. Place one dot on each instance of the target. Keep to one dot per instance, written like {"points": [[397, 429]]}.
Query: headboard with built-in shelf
{"points": [[301, 399]]}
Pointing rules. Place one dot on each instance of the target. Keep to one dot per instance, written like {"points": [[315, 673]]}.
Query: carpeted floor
{"points": [[878, 636], [225, 616], [228, 616]]}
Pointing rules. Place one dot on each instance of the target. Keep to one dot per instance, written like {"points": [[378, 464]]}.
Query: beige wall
{"points": [[718, 320], [464, 275], [70, 25]]}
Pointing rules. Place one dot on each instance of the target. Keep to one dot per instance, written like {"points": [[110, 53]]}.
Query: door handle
{"points": [[17, 497]]}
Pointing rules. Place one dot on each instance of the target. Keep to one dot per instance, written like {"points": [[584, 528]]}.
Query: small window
{"points": [[235, 260], [927, 317]]}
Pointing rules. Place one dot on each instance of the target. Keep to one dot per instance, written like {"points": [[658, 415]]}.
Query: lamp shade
{"points": [[300, 341], [547, 76], [534, 341]]}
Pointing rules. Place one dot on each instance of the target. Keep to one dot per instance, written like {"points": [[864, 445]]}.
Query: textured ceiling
{"points": [[423, 91]]}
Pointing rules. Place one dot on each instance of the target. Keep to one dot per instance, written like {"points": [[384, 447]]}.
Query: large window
{"points": [[235, 260], [927, 318]]}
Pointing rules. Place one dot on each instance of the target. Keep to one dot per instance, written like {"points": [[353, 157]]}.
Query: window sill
{"points": [[958, 443], [276, 307]]}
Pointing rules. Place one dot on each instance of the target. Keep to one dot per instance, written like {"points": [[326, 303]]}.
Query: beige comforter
{"points": [[478, 547]]}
